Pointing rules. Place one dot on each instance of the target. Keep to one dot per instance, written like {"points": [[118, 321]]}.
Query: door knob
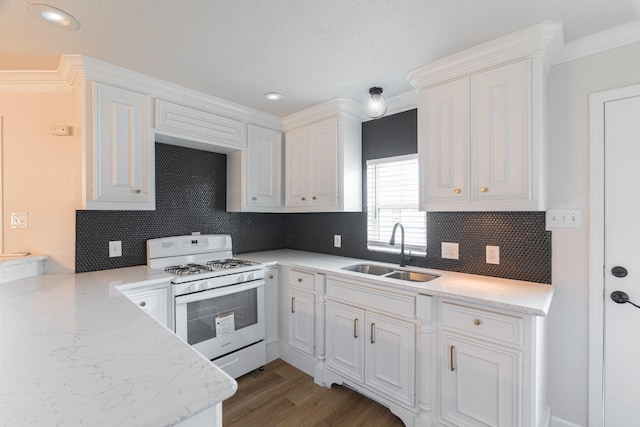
{"points": [[621, 297]]}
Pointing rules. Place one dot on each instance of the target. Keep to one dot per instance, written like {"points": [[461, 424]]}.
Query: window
{"points": [[392, 196]]}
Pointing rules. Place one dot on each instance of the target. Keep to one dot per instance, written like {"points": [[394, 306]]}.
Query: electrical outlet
{"points": [[337, 241], [493, 254], [450, 250], [115, 249]]}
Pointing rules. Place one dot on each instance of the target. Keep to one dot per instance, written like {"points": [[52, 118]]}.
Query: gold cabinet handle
{"points": [[484, 189], [355, 327], [451, 350], [142, 304], [293, 304], [477, 322], [373, 333], [456, 191]]}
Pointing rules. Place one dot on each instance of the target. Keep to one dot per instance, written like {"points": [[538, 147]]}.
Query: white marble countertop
{"points": [[11, 259], [74, 351], [515, 295]]}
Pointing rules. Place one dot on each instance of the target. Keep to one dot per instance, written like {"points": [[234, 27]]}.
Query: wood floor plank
{"points": [[283, 396]]}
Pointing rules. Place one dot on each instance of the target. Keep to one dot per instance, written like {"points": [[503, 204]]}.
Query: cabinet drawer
{"points": [[301, 279], [488, 324], [397, 305]]}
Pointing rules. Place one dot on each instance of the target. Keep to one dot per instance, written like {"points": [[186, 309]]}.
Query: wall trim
{"points": [[323, 110], [597, 102], [599, 42]]}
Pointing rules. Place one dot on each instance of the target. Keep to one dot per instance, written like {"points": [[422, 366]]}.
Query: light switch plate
{"points": [[337, 241], [567, 218]]}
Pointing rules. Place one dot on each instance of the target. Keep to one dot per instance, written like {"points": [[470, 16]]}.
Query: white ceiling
{"points": [[309, 50]]}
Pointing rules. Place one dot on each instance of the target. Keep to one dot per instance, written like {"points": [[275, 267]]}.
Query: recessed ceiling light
{"points": [[55, 16], [273, 96]]}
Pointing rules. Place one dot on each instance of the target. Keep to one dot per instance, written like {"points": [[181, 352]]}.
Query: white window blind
{"points": [[392, 196]]}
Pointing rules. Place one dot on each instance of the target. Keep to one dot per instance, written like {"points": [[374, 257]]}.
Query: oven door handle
{"points": [[218, 292]]}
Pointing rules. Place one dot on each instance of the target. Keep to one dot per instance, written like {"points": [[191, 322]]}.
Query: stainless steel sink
{"points": [[412, 276], [378, 270]]}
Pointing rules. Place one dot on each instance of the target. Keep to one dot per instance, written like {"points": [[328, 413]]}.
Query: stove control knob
{"points": [[203, 286], [193, 288], [241, 278], [251, 276]]}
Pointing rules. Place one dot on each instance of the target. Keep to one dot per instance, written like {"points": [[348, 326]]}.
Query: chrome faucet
{"points": [[393, 241]]}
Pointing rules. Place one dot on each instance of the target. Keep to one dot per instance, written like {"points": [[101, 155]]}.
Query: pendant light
{"points": [[376, 105]]}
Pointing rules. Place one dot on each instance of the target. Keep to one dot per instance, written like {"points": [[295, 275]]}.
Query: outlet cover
{"points": [[19, 220], [450, 250], [493, 254], [337, 241], [115, 249]]}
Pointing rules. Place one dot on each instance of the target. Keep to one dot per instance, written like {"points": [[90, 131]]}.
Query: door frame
{"points": [[597, 103]]}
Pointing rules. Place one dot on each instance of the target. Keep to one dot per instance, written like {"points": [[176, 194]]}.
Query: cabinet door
{"points": [[271, 305], [297, 168], [153, 301], [323, 166], [481, 382], [444, 147], [390, 357], [500, 133], [264, 167], [302, 321], [345, 340], [122, 150]]}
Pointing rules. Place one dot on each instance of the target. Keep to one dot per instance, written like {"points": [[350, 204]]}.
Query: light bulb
{"points": [[376, 105]]}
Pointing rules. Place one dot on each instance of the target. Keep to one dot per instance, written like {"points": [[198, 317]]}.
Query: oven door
{"points": [[222, 320]]}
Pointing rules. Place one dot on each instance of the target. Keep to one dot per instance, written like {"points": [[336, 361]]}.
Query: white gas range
{"points": [[219, 300]]}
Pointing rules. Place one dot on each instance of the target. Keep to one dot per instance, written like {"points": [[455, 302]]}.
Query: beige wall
{"points": [[570, 85], [40, 175]]}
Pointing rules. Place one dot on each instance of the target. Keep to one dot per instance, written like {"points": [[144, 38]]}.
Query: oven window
{"points": [[221, 315]]}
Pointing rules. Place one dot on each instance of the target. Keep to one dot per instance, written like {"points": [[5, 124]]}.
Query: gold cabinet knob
{"points": [[142, 304], [254, 198], [138, 191], [484, 189], [304, 198], [456, 191], [314, 197], [476, 322]]}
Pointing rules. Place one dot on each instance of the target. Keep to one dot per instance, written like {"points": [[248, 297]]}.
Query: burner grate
{"points": [[230, 263]]}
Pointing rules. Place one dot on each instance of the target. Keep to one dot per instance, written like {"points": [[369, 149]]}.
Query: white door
{"points": [[323, 166], [622, 208], [302, 321], [264, 167], [345, 340], [296, 172]]}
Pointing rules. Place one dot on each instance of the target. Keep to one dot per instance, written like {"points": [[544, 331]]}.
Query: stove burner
{"points": [[229, 263], [187, 269]]}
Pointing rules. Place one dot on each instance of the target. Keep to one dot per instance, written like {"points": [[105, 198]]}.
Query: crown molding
{"points": [[332, 107], [544, 39], [599, 42], [61, 79]]}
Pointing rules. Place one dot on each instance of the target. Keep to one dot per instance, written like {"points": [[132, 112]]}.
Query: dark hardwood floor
{"points": [[284, 396]]}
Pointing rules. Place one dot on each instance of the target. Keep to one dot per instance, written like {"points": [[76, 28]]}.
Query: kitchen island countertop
{"points": [[516, 295], [75, 351]]}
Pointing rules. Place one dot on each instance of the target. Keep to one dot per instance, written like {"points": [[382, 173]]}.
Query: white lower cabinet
{"points": [[271, 337], [491, 367], [373, 349], [153, 299], [302, 320]]}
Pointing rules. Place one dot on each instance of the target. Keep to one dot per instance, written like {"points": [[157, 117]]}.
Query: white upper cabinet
{"points": [[120, 154], [481, 130], [323, 159], [194, 128], [254, 175]]}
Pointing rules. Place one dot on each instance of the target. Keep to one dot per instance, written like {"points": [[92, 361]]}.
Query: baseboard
{"points": [[559, 422], [297, 360]]}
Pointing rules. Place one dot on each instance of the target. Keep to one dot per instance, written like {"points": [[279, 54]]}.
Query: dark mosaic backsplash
{"points": [[190, 196], [190, 188]]}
